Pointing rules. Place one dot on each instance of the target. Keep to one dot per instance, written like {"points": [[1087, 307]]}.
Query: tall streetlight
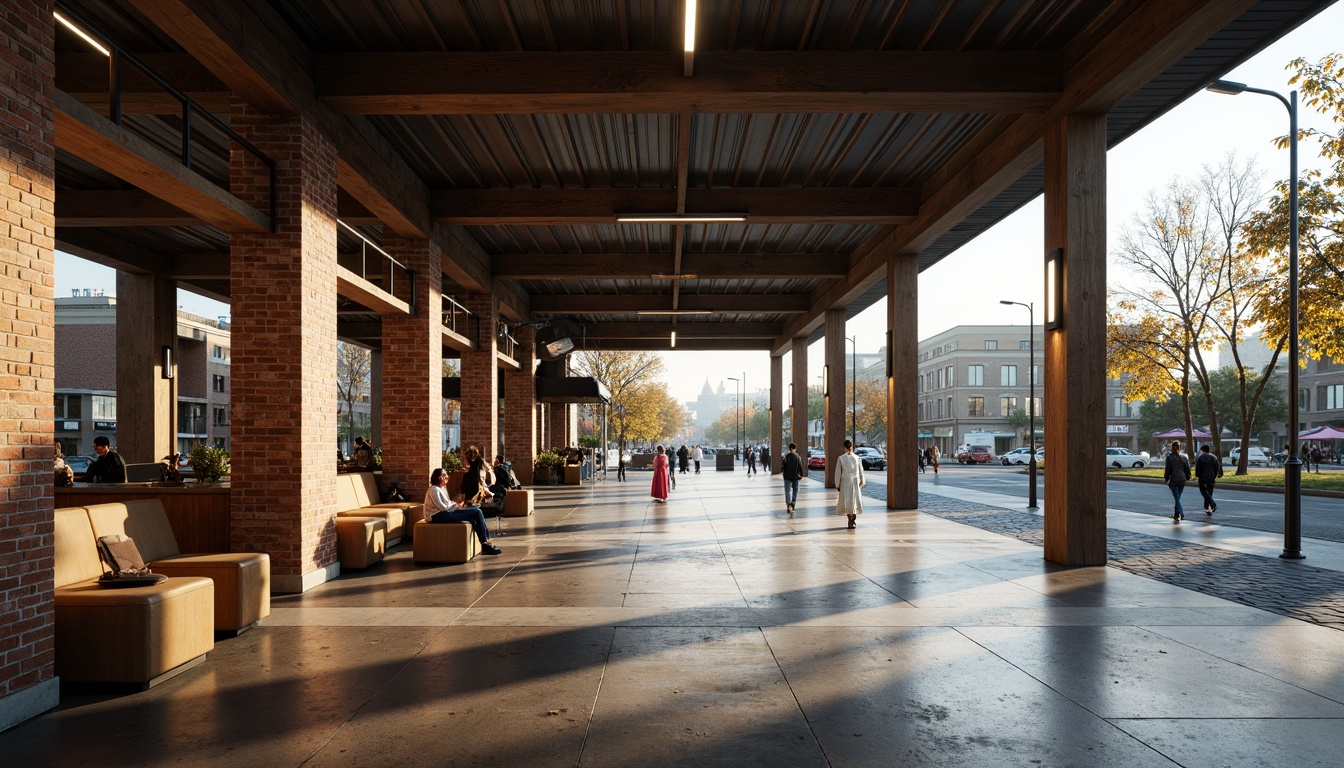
{"points": [[743, 416], [853, 389], [1031, 396], [738, 415], [1292, 467]]}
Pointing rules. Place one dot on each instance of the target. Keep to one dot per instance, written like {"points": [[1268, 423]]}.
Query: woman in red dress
{"points": [[659, 490]]}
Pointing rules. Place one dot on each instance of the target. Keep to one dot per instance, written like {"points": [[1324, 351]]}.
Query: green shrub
{"points": [[209, 464], [452, 462]]}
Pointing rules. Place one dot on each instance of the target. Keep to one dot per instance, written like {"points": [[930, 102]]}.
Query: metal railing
{"points": [[386, 277], [507, 344], [116, 56], [460, 320]]}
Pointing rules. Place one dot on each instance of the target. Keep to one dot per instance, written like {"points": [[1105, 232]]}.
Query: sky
{"points": [[1005, 260]]}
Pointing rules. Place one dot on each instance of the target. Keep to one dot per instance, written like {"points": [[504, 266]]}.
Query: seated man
{"points": [[109, 466], [504, 480], [440, 509]]}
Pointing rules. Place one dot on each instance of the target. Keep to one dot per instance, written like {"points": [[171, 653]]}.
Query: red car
{"points": [[975, 454], [816, 460]]}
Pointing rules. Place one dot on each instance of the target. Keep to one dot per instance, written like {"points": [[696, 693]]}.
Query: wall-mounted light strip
{"points": [[689, 218], [66, 22], [688, 57], [674, 339], [1054, 290], [673, 312]]}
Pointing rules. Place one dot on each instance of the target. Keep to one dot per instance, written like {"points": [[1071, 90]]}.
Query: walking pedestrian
{"points": [[921, 461], [697, 456], [751, 461], [620, 466], [849, 481], [1175, 473], [1316, 456], [765, 459], [793, 472], [1208, 468], [683, 459], [1306, 458], [661, 477], [933, 458]]}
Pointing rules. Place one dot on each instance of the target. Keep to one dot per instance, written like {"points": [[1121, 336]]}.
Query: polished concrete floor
{"points": [[717, 630]]}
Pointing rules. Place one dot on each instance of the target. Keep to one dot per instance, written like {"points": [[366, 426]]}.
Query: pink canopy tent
{"points": [[1321, 433], [1174, 433]]}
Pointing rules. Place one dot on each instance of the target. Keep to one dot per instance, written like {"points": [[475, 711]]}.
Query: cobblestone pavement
{"points": [[1286, 587]]}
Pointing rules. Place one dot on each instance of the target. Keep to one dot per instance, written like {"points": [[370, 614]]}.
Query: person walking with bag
{"points": [[660, 489], [697, 456], [1174, 474], [793, 472], [849, 481], [1208, 468]]}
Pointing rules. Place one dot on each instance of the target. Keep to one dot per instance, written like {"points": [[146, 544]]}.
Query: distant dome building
{"points": [[707, 408]]}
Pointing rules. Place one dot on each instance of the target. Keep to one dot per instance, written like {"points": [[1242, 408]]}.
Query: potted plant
{"points": [[209, 464], [452, 463], [549, 466]]}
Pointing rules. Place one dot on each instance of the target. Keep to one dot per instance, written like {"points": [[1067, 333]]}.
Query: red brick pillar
{"points": [[412, 374], [27, 360], [520, 407], [283, 404], [480, 379]]}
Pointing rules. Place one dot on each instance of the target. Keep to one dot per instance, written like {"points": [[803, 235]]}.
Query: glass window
{"points": [[104, 407], [991, 343], [975, 375], [975, 406], [69, 407], [217, 383], [940, 378], [1334, 397], [1024, 344], [950, 379], [1119, 407], [1008, 375], [940, 408], [221, 417], [921, 411], [1007, 405]]}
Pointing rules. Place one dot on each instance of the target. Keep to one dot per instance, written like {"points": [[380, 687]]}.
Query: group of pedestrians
{"points": [[928, 457], [1177, 471]]}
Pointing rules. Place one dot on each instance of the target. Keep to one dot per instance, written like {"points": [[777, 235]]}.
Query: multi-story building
{"points": [[971, 378], [86, 375]]}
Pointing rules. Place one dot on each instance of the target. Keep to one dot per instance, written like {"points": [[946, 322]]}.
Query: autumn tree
{"points": [[726, 430], [354, 364], [638, 398], [871, 417]]}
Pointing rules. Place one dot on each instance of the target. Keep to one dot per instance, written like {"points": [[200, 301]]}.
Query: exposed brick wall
{"points": [[520, 406], [27, 354], [480, 380], [561, 429], [412, 374], [284, 349]]}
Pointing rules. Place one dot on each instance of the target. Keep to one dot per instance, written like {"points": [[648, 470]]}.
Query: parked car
{"points": [[975, 454], [816, 460], [871, 458], [1040, 455], [80, 464], [1255, 457], [1121, 458], [1016, 456]]}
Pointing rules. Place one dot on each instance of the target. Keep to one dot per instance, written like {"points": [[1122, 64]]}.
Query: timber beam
{"points": [[694, 330], [700, 345], [359, 83], [814, 205], [118, 208], [627, 304], [663, 265]]}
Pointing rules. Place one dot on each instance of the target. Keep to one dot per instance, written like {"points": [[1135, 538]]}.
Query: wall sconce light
{"points": [[790, 394], [825, 381], [890, 362], [167, 371], [1054, 290]]}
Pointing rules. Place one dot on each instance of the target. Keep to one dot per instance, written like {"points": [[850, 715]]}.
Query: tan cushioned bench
{"points": [[140, 635], [242, 579], [360, 541], [444, 542], [518, 502], [353, 499]]}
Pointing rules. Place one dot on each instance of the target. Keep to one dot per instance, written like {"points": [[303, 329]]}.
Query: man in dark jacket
{"points": [[1207, 470], [793, 472], [1175, 473], [109, 467]]}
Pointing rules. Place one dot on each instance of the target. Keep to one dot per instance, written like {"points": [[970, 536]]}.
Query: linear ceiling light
{"points": [[101, 49], [673, 312], [673, 218], [688, 58], [674, 339]]}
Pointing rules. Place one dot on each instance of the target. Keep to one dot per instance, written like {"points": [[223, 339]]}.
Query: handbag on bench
{"points": [[128, 568]]}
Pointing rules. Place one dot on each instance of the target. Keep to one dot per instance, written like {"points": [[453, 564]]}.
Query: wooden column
{"points": [[146, 402], [902, 392], [283, 409], [480, 380], [798, 424], [834, 387], [411, 393], [777, 445], [1075, 355]]}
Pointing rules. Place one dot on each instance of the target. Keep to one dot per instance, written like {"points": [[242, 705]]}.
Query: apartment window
{"points": [[940, 408], [975, 375], [949, 377], [221, 417], [921, 411], [69, 407], [217, 352], [1007, 405], [1024, 344], [940, 378], [1334, 397], [1119, 408], [991, 343], [1008, 375], [975, 406], [1304, 400], [920, 384], [104, 407], [217, 383], [950, 412], [1036, 373]]}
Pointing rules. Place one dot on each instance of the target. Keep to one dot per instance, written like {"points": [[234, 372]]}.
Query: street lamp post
{"points": [[1292, 466], [1031, 397], [853, 389], [742, 417], [738, 415]]}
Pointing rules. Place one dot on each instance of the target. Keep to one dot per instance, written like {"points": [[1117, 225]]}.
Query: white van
{"points": [[1254, 458]]}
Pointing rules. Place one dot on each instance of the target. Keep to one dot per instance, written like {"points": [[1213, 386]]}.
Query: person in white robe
{"points": [[849, 481]]}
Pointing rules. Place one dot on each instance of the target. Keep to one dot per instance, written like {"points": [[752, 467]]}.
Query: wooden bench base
{"points": [[518, 502], [360, 541], [444, 542]]}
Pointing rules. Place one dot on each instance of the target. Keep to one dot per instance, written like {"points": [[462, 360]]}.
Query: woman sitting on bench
{"points": [[440, 509]]}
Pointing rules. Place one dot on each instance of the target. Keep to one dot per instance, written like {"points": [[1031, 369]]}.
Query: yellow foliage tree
{"points": [[637, 395]]}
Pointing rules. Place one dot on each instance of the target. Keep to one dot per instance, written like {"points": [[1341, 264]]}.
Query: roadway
{"points": [[1322, 517]]}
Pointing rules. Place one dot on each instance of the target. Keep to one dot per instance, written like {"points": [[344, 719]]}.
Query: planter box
{"points": [[724, 462], [455, 482], [573, 474]]}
